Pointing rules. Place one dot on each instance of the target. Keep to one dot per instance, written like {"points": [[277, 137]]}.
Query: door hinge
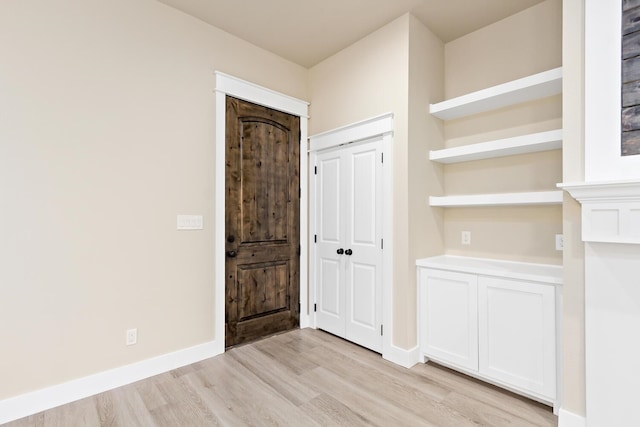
{"points": [[299, 192], [315, 307], [381, 243], [315, 170], [315, 238], [381, 157], [381, 330], [299, 307], [299, 250]]}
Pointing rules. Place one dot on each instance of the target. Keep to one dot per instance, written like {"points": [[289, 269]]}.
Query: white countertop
{"points": [[547, 273]]}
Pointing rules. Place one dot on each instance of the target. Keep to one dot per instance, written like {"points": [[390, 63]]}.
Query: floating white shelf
{"points": [[501, 199], [532, 143], [537, 86]]}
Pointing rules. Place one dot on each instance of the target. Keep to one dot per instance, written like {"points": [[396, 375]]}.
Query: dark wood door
{"points": [[262, 221]]}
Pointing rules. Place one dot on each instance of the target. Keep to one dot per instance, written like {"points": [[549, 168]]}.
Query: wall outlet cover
{"points": [[132, 336]]}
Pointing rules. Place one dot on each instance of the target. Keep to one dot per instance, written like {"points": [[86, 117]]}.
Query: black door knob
{"points": [[231, 254], [348, 252], [340, 251]]}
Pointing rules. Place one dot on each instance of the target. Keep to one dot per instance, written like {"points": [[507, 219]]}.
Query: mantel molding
{"points": [[610, 210]]}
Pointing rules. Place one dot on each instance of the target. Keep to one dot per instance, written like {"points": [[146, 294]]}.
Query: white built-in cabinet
{"points": [[495, 320], [492, 319], [529, 88]]}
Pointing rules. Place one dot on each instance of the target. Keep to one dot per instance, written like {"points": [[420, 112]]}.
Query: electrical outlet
{"points": [[132, 336], [559, 242], [466, 237]]}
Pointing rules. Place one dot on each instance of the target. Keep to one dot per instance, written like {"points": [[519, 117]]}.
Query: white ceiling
{"points": [[308, 31]]}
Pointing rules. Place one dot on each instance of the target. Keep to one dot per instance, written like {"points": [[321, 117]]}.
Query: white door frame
{"points": [[380, 126], [232, 86]]}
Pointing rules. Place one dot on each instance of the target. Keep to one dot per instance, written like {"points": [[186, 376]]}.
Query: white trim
{"points": [[31, 403], [402, 357], [242, 89], [569, 419], [610, 210], [358, 131], [366, 129], [229, 85], [388, 349]]}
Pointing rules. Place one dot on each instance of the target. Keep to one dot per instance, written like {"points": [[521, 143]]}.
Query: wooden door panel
{"points": [[262, 289], [264, 182], [262, 221]]}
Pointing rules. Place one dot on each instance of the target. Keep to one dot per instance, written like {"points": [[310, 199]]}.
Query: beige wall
{"points": [[523, 44], [573, 171], [107, 133], [425, 226]]}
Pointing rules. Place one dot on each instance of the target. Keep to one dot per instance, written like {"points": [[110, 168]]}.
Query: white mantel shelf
{"points": [[528, 88], [546, 273], [610, 210]]}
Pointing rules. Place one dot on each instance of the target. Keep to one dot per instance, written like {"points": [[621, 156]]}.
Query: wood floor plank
{"points": [[371, 407], [300, 378], [484, 414], [183, 403], [282, 380], [82, 413], [327, 410], [285, 355], [249, 397], [490, 395], [129, 407]]}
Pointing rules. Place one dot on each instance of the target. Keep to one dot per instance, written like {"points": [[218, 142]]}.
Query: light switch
{"points": [[190, 222]]}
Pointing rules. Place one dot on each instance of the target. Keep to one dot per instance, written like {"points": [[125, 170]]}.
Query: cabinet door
{"points": [[517, 334], [449, 317]]}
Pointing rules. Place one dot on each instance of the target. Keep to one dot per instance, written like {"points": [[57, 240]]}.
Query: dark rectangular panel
{"points": [[631, 45], [631, 118], [631, 94], [630, 143], [631, 69], [265, 182], [630, 4], [262, 289], [631, 21]]}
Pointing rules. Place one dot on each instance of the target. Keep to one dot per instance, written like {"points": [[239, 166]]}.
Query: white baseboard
{"points": [[569, 419], [31, 403], [402, 357]]}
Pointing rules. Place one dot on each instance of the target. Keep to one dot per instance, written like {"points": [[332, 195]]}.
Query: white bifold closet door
{"points": [[349, 245]]}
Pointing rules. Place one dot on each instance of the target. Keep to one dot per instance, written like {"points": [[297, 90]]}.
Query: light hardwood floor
{"points": [[300, 378]]}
